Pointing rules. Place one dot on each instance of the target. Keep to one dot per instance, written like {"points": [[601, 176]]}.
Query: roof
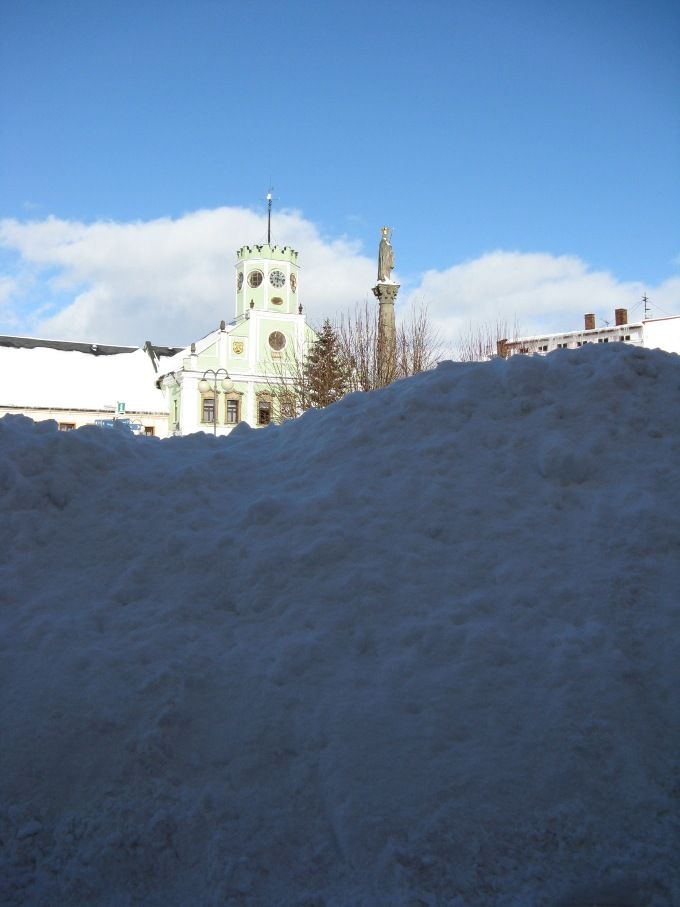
{"points": [[62, 374], [175, 360], [603, 329], [94, 349]]}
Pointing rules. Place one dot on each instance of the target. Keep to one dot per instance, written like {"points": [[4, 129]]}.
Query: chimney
{"points": [[590, 322], [621, 316], [502, 349]]}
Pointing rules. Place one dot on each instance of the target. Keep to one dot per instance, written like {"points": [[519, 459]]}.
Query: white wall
{"points": [[663, 334]]}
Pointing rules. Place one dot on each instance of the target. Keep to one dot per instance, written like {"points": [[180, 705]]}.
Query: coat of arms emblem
{"points": [[237, 347]]}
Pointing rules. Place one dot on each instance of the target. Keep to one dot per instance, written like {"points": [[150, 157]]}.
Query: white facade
{"points": [[652, 333], [662, 334]]}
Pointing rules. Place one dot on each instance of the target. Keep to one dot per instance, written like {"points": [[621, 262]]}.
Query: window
{"points": [[208, 409], [232, 411], [603, 340], [67, 426], [175, 407], [255, 278], [543, 349], [264, 411], [287, 406], [149, 431], [561, 346]]}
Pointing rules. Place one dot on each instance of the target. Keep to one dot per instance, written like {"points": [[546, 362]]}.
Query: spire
{"points": [[269, 216]]}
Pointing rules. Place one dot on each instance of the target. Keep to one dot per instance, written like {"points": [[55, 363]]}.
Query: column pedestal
{"points": [[386, 293]]}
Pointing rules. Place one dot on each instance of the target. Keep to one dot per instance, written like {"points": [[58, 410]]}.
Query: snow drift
{"points": [[419, 648]]}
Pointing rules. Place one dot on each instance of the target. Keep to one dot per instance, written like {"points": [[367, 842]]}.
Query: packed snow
{"points": [[420, 648]]}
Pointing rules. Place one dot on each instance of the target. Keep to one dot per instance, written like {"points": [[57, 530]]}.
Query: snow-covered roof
{"points": [[175, 361], [604, 329], [65, 375]]}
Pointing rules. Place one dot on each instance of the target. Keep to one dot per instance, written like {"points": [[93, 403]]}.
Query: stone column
{"points": [[386, 292]]}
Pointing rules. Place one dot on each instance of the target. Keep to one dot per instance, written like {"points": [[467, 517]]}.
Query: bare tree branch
{"points": [[418, 346], [481, 340]]}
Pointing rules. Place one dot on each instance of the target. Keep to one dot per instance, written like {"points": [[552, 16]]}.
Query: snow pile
{"points": [[69, 379], [416, 649]]}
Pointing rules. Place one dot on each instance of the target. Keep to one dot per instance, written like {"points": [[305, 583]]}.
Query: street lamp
{"points": [[173, 416], [204, 386]]}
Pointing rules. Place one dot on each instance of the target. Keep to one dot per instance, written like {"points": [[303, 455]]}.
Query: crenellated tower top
{"points": [[264, 250], [267, 279]]}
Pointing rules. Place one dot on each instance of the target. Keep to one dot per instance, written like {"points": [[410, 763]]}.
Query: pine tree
{"points": [[325, 370]]}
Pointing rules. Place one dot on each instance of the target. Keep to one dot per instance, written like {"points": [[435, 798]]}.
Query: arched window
{"points": [[287, 406], [264, 409]]}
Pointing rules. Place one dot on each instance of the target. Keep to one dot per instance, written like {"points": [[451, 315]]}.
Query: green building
{"points": [[243, 371]]}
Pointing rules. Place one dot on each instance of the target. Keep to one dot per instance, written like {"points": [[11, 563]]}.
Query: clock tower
{"points": [[252, 360], [267, 279]]}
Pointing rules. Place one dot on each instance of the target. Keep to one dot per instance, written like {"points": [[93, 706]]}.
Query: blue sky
{"points": [[523, 127]]}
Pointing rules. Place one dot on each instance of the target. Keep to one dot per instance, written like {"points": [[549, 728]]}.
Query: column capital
{"points": [[386, 292]]}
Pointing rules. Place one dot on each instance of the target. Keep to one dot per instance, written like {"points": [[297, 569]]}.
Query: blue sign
{"points": [[123, 423]]}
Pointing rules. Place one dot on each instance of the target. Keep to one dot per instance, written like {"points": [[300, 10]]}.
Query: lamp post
{"points": [[176, 384], [204, 386]]}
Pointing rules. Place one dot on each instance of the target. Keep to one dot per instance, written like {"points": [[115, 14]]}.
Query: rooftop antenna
{"points": [[646, 302], [269, 216]]}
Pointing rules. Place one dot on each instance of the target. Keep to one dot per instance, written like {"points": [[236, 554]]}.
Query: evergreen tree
{"points": [[324, 370]]}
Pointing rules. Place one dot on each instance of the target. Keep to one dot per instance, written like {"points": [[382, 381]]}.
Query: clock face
{"points": [[239, 281], [277, 340], [277, 278], [255, 278], [293, 282]]}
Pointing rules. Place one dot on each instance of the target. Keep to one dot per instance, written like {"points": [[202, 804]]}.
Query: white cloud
{"points": [[541, 292], [172, 281], [8, 288]]}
